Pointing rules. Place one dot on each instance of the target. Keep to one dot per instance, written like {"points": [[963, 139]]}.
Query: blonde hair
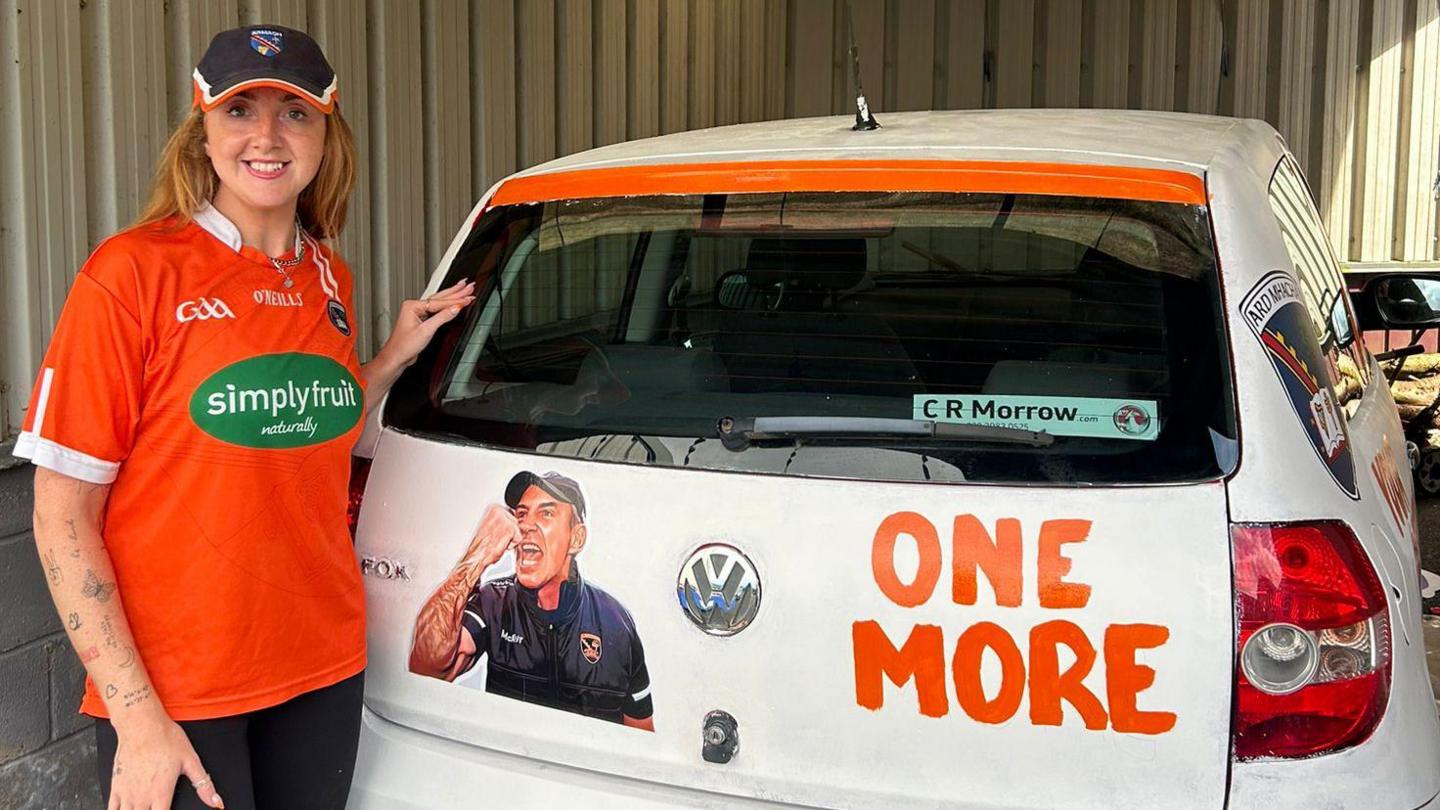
{"points": [[185, 180]]}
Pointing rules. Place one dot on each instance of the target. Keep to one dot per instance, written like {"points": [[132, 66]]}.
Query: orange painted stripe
{"points": [[993, 177]]}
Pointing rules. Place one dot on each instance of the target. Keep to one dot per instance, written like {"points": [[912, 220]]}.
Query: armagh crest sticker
{"points": [[1277, 316], [267, 42]]}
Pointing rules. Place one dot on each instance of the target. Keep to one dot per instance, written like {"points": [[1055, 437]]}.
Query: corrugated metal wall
{"points": [[447, 96]]}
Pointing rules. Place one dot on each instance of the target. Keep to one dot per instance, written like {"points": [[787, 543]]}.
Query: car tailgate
{"points": [[882, 665]]}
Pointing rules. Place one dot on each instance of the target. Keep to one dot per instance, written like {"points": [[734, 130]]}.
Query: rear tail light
{"points": [[359, 474], [1313, 644]]}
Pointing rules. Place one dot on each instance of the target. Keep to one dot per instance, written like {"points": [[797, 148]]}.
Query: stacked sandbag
{"points": [[1349, 388], [1415, 387]]}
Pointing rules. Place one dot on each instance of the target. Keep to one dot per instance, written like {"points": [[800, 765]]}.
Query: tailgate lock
{"points": [[719, 737]]}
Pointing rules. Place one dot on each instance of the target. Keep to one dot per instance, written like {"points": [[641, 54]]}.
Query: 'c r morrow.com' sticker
{"points": [[1277, 316], [1095, 417]]}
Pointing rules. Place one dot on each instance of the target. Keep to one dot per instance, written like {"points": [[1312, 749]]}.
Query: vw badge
{"points": [[719, 589]]}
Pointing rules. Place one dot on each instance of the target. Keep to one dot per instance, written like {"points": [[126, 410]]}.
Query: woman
{"points": [[191, 429]]}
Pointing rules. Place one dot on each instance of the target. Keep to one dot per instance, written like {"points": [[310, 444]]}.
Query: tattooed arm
{"points": [[442, 648], [153, 751]]}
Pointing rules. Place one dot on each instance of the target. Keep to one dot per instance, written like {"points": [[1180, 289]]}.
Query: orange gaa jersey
{"points": [[221, 406]]}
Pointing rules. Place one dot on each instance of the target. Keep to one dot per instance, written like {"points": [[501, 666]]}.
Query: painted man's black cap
{"points": [[264, 56], [552, 482]]}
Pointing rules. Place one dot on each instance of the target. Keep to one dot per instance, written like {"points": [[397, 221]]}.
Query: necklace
{"points": [[283, 266]]}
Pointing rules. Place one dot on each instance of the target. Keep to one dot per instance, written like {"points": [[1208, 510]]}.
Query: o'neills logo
{"points": [[274, 298], [278, 401]]}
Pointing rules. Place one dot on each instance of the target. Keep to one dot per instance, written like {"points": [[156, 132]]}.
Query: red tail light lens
{"points": [[359, 474], [1313, 646]]}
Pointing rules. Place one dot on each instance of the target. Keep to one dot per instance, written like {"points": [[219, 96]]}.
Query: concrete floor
{"points": [[1432, 653], [1429, 513]]}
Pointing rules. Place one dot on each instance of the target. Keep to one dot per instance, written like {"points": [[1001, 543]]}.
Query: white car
{"points": [[996, 459]]}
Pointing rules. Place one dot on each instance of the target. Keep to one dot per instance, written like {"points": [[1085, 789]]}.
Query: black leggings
{"points": [[300, 754]]}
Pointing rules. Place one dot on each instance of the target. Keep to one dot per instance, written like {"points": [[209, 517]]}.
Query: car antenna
{"points": [[1224, 65], [864, 121]]}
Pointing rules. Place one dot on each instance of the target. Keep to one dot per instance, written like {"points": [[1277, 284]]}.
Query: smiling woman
{"points": [[254, 151], [192, 429], [265, 145]]}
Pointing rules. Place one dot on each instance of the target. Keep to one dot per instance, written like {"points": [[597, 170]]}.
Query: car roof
{"points": [[1131, 138]]}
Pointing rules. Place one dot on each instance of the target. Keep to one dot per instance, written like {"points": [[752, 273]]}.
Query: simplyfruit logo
{"points": [[278, 401]]}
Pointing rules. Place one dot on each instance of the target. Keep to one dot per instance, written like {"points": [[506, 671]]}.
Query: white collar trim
{"points": [[219, 226]]}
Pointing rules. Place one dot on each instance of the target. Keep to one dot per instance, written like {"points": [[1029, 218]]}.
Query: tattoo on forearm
{"points": [[109, 631], [89, 655], [74, 539], [437, 641], [129, 658], [110, 691], [73, 621], [93, 588], [137, 696], [52, 569]]}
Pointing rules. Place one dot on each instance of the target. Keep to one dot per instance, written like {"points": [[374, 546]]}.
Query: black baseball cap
{"points": [[264, 56], [552, 482]]}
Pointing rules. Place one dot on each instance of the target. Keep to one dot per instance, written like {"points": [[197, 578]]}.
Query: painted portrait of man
{"points": [[547, 635]]}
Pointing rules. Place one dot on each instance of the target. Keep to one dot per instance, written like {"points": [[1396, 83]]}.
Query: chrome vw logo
{"points": [[719, 589]]}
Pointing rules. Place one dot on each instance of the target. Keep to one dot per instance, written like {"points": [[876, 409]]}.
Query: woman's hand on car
{"points": [[419, 319], [416, 325], [150, 758], [498, 532]]}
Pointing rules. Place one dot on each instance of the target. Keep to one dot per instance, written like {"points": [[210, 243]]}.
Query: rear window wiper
{"points": [[737, 432]]}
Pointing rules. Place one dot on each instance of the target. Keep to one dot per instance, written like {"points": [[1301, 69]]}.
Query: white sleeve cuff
{"points": [[62, 459]]}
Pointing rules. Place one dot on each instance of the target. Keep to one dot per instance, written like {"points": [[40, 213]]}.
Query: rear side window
{"points": [[850, 335], [1321, 283]]}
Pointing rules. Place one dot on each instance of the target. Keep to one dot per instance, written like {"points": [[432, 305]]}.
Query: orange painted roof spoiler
{"points": [[992, 177]]}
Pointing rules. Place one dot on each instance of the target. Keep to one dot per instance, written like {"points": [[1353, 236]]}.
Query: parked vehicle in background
{"points": [[1409, 303], [1022, 459]]}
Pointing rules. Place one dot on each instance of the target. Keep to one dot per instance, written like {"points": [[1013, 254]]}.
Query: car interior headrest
{"points": [[812, 264]]}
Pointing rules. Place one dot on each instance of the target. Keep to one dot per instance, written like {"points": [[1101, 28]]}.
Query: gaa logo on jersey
{"points": [[267, 42], [202, 309]]}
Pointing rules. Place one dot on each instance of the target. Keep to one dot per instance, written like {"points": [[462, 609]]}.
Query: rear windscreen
{"points": [[877, 336]]}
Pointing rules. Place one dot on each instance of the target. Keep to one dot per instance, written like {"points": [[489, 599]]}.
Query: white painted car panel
{"points": [[402, 769], [1114, 138], [1279, 479], [1155, 554], [789, 678]]}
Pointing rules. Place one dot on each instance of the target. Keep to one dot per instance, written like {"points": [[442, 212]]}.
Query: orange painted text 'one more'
{"points": [[923, 656]]}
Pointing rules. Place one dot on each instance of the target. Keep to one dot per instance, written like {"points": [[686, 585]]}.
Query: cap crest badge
{"points": [[266, 42]]}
